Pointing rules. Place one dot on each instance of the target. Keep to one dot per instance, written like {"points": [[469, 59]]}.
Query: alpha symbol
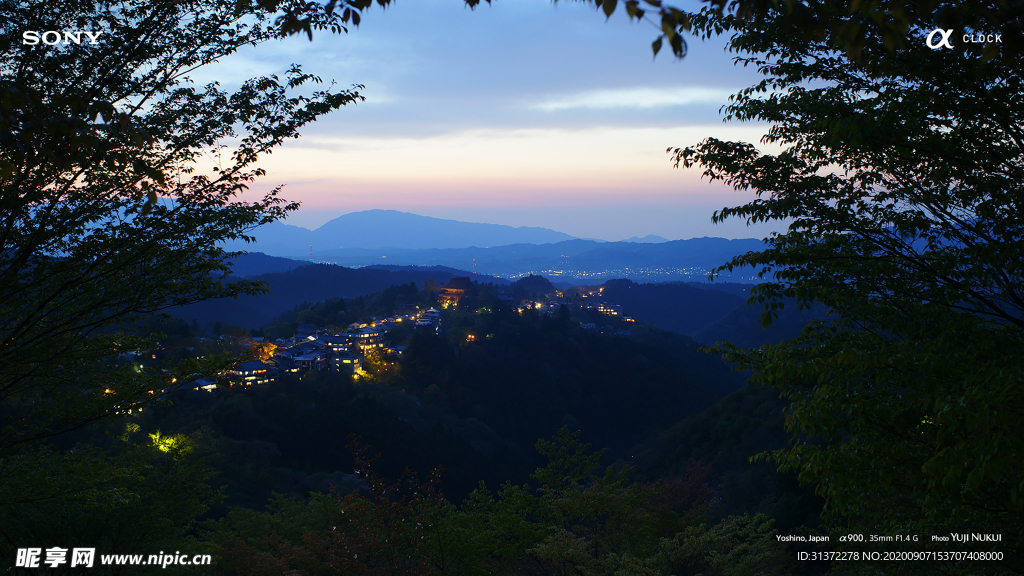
{"points": [[941, 43]]}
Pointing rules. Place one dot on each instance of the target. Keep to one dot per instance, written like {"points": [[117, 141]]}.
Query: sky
{"points": [[522, 112]]}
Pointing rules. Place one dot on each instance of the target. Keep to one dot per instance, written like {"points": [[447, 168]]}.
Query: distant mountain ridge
{"points": [[708, 312], [257, 263], [389, 237], [310, 283], [649, 239], [575, 260], [390, 229]]}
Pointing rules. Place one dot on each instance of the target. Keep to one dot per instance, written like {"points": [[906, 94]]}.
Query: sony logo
{"points": [[51, 37]]}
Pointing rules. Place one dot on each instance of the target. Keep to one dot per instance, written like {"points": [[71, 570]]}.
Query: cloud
{"points": [[637, 98], [494, 167]]}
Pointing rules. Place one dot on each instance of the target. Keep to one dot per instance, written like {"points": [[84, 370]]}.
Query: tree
{"points": [[572, 522], [117, 189], [264, 350], [146, 494], [381, 532], [900, 177], [848, 27]]}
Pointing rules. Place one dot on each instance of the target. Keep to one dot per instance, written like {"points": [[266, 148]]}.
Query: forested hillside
{"points": [[673, 306], [310, 283], [475, 406]]}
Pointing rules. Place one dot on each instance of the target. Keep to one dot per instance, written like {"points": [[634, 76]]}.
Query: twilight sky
{"points": [[521, 113]]}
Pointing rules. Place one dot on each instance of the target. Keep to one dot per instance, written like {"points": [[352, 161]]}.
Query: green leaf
{"points": [[656, 45]]}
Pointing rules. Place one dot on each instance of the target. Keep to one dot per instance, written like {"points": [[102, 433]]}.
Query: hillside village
{"points": [[313, 347]]}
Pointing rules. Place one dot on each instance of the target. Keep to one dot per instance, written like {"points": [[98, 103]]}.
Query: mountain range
{"points": [[306, 283], [649, 239], [389, 237], [390, 229], [574, 261], [708, 312]]}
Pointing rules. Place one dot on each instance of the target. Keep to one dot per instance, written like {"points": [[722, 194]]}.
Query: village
{"points": [[347, 352]]}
